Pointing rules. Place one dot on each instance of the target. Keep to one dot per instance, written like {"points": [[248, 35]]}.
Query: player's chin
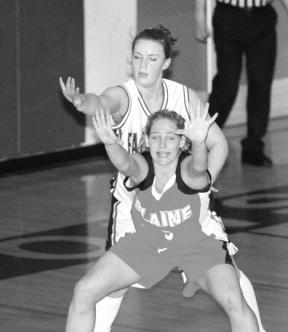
{"points": [[163, 161], [143, 80]]}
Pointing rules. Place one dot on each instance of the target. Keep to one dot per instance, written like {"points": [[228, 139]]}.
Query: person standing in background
{"points": [[243, 28]]}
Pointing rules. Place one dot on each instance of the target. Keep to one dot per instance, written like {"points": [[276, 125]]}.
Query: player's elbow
{"points": [[201, 180]]}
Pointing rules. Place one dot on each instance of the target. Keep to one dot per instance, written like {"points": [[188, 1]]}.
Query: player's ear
{"points": [[182, 141], [146, 140], [166, 63]]}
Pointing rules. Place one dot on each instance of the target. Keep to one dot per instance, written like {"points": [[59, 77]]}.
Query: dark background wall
{"points": [[43, 39], [39, 41]]}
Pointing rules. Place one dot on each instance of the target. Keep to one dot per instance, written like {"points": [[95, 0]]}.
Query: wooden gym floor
{"points": [[53, 224]]}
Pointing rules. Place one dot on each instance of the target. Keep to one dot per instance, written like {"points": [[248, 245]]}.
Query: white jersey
{"points": [[130, 130]]}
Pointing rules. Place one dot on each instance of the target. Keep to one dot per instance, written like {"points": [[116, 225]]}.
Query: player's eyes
{"points": [[172, 137]]}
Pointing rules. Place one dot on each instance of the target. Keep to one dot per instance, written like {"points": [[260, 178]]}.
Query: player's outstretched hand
{"points": [[199, 124], [72, 93], [102, 124]]}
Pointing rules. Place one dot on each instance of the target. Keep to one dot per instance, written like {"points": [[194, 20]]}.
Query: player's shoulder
{"points": [[194, 98], [175, 85], [114, 91], [172, 83], [128, 84]]}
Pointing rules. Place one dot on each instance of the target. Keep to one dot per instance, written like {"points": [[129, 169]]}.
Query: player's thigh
{"points": [[109, 274], [222, 283]]}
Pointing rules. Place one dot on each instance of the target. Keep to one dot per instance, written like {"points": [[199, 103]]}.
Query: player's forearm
{"points": [[119, 157], [199, 160], [90, 102], [197, 166], [217, 156]]}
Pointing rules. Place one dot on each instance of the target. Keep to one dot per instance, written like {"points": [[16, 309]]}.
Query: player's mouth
{"points": [[162, 154], [142, 75]]}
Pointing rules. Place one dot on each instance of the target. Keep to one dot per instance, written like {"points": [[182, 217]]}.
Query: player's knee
{"points": [[84, 297], [233, 302]]}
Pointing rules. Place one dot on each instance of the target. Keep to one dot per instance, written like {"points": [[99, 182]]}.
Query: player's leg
{"points": [[109, 274], [250, 297], [222, 283], [247, 290], [120, 222], [214, 226], [107, 310]]}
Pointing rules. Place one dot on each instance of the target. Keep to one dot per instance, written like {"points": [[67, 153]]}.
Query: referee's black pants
{"points": [[252, 33]]}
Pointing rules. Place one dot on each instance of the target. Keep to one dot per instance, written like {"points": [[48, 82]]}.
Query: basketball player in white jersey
{"points": [[129, 105]]}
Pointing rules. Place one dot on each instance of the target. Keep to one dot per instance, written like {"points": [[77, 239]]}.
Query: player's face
{"points": [[148, 62], [163, 143]]}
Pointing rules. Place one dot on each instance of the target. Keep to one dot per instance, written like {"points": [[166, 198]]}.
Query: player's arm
{"points": [[216, 143], [194, 168], [113, 99], [131, 165]]}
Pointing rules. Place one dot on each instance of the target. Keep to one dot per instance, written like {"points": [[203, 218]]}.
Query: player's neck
{"points": [[164, 173], [161, 181], [153, 96]]}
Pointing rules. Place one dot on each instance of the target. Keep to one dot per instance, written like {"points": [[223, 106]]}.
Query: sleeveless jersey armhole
{"points": [[182, 186], [186, 99], [128, 110], [148, 181]]}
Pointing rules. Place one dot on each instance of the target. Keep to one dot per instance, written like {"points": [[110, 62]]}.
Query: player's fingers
{"points": [[97, 120], [102, 117], [69, 86], [198, 109], [61, 82], [213, 118], [66, 89], [206, 110], [73, 83], [94, 121], [108, 119], [68, 82], [191, 110], [213, 189], [76, 98], [77, 92]]}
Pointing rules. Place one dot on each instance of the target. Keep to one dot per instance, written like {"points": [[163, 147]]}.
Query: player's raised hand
{"points": [[72, 93], [199, 124], [102, 124]]}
